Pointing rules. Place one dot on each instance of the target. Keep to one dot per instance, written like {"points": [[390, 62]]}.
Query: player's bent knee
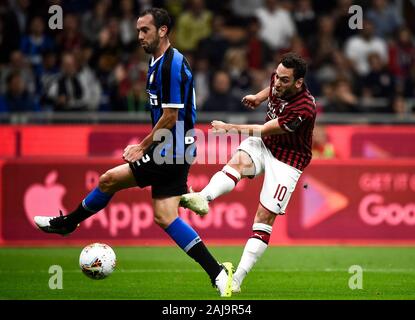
{"points": [[108, 182], [162, 221], [242, 163]]}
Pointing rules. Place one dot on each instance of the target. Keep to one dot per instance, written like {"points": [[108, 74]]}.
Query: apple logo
{"points": [[44, 200]]}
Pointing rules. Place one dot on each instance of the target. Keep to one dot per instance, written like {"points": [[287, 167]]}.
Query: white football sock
{"points": [[254, 249], [221, 183]]}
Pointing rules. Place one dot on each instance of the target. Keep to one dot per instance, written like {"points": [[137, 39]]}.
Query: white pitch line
{"points": [[383, 270]]}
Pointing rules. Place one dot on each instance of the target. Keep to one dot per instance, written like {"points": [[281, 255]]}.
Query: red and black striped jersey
{"points": [[296, 116]]}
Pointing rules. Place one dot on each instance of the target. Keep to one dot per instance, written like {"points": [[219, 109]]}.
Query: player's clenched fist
{"points": [[251, 101], [132, 153], [219, 126]]}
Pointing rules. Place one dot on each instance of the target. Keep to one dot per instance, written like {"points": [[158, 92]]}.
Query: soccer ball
{"points": [[97, 261]]}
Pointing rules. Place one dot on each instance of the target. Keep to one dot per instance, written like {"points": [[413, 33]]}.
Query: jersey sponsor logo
{"points": [[152, 98]]}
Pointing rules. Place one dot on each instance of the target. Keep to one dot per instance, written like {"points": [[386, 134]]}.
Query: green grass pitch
{"points": [[166, 273]]}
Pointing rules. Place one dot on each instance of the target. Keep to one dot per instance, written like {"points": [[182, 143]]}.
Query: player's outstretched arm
{"points": [[259, 130], [252, 101], [168, 120]]}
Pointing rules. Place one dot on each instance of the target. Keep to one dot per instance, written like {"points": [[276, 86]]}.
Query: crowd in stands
{"points": [[95, 63]]}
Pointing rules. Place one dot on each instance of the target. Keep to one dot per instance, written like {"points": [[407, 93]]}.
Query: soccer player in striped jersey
{"points": [[280, 148], [161, 159]]}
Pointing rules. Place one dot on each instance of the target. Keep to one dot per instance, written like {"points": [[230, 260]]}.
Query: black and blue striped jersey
{"points": [[170, 84]]}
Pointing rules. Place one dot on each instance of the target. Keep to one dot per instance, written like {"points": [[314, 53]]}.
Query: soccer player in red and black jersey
{"points": [[280, 149]]}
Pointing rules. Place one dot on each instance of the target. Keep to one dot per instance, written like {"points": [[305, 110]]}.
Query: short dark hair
{"points": [[294, 61], [161, 17]]}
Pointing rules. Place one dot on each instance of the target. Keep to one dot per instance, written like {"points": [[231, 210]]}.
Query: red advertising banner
{"points": [[371, 200], [335, 202], [381, 145], [35, 187], [362, 141]]}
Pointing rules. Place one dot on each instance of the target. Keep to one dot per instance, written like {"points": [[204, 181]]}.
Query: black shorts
{"points": [[166, 180]]}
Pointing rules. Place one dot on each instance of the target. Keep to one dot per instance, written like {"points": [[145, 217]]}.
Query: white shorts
{"points": [[280, 178]]}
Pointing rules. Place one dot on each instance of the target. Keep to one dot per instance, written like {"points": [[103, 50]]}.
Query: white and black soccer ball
{"points": [[97, 261]]}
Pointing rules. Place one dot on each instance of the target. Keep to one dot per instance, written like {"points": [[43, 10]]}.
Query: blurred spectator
{"points": [[221, 98], [137, 65], [324, 42], [173, 7], [94, 21], [343, 66], [359, 47], [215, 45], [385, 17], [107, 52], [322, 148], [277, 25], [49, 74], [402, 54], [88, 78], [202, 76], [19, 14], [69, 92], [17, 98], [408, 87], [407, 9], [193, 25], [245, 8], [9, 35], [128, 20], [235, 64], [341, 16], [305, 19], [36, 43], [379, 82], [298, 46], [18, 64], [119, 86], [243, 38], [340, 97], [70, 38], [136, 98], [258, 51], [400, 106]]}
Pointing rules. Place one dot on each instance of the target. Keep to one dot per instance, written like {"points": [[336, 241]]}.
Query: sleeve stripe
{"points": [[173, 105], [165, 75], [286, 128]]}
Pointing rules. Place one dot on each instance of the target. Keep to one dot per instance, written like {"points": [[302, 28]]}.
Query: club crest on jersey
{"points": [[271, 111]]}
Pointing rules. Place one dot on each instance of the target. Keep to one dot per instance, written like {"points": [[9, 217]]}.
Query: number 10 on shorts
{"points": [[280, 192]]}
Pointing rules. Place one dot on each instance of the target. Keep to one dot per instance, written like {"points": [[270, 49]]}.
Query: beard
{"points": [[287, 93], [152, 46]]}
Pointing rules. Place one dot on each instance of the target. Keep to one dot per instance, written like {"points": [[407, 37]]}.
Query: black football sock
{"points": [[78, 215], [93, 202], [201, 255]]}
